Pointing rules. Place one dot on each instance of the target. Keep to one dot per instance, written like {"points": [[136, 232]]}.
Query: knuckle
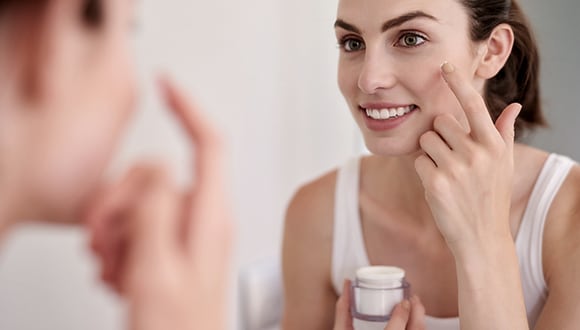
{"points": [[476, 158], [441, 122], [427, 138], [473, 104], [438, 184]]}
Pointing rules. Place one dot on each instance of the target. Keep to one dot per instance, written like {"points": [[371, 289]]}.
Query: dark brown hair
{"points": [[91, 14], [518, 80]]}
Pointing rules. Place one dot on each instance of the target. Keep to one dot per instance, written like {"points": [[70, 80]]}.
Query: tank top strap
{"points": [[529, 239], [348, 251]]}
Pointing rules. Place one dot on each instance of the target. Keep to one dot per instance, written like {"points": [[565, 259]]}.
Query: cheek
{"points": [[435, 95], [348, 75]]}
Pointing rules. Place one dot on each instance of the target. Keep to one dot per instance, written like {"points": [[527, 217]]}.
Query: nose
{"points": [[377, 73]]}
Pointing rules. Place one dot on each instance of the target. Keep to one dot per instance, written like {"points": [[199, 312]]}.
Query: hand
{"points": [[407, 315], [168, 251], [467, 175]]}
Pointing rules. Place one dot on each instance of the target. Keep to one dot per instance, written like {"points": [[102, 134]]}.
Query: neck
{"points": [[399, 173]]}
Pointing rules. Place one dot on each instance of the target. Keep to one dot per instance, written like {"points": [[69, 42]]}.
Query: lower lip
{"points": [[378, 125]]}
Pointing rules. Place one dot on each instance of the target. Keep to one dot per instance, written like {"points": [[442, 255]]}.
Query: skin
{"points": [[464, 183], [61, 115]]}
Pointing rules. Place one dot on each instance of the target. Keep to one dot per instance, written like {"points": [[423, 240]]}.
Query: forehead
{"points": [[372, 13]]}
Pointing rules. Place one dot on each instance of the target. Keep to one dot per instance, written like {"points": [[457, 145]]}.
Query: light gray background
{"points": [[265, 71], [557, 27]]}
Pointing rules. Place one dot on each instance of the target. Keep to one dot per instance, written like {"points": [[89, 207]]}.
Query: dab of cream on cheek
{"points": [[376, 291]]}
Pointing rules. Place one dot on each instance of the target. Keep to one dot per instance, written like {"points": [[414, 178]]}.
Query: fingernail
{"points": [[406, 304], [447, 67]]}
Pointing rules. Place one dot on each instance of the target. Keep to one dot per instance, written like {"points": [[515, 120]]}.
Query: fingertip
{"points": [[416, 302], [165, 87], [447, 68], [406, 305], [519, 108], [346, 284]]}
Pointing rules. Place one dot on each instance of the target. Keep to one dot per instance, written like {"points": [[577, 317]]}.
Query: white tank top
{"points": [[349, 253]]}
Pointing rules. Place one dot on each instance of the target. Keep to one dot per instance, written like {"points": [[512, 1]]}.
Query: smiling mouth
{"points": [[388, 113]]}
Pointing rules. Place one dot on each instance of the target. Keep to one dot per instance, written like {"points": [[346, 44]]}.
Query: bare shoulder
{"points": [[309, 226], [561, 257], [306, 256], [312, 204], [562, 230]]}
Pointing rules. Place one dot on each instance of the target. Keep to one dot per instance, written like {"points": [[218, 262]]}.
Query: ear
{"points": [[495, 51]]}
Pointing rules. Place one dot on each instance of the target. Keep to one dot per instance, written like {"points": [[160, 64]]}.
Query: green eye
{"points": [[411, 40], [353, 45]]}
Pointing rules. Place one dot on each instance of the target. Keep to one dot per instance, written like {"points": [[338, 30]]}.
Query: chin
{"points": [[389, 147]]}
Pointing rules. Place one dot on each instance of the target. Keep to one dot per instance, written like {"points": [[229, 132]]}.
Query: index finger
{"points": [[207, 208], [208, 147], [480, 122]]}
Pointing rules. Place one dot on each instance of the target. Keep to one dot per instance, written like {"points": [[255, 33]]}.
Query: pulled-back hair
{"points": [[518, 80], [91, 12]]}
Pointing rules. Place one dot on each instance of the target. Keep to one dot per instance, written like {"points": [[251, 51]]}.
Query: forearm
{"points": [[489, 286], [176, 317]]}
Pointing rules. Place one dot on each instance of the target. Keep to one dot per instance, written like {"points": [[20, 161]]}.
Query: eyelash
{"points": [[413, 34], [342, 44]]}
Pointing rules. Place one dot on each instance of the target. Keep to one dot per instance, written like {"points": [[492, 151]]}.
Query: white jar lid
{"points": [[380, 276]]}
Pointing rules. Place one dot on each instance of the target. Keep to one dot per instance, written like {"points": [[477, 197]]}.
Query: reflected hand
{"points": [[407, 315], [167, 251], [468, 176]]}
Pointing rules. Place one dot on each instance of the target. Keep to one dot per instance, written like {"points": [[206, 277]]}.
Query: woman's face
{"points": [[389, 67], [78, 112]]}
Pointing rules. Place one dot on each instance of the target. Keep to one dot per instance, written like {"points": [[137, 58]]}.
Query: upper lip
{"points": [[383, 105]]}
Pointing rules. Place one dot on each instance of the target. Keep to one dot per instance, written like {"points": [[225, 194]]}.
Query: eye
{"points": [[352, 45], [92, 13], [411, 39]]}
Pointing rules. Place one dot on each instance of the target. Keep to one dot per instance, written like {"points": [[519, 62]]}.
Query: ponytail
{"points": [[518, 80]]}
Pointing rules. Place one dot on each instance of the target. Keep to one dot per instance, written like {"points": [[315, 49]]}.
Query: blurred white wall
{"points": [[264, 70]]}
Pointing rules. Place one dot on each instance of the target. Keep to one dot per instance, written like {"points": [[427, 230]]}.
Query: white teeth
{"points": [[383, 114]]}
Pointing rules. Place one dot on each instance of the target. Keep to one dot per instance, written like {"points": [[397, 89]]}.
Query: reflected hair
{"points": [[91, 11], [518, 81]]}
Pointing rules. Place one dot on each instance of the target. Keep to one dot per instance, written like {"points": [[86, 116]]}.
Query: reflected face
{"points": [[84, 98], [389, 67]]}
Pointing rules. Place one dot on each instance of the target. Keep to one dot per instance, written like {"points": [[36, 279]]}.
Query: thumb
{"points": [[506, 121], [342, 318], [400, 316]]}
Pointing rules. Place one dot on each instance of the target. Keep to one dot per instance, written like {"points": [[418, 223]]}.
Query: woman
{"points": [[483, 226], [66, 93]]}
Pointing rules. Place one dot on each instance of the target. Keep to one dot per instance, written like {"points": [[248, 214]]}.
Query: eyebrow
{"points": [[388, 24]]}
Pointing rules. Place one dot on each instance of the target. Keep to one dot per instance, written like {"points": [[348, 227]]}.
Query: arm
{"points": [[165, 249], [489, 288], [561, 258], [306, 258], [468, 179]]}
